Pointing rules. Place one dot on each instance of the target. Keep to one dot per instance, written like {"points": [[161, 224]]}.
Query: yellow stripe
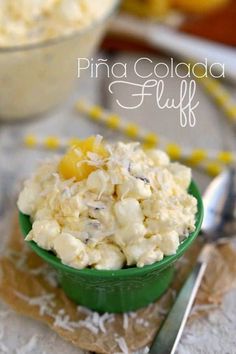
{"points": [[95, 112], [150, 140], [174, 151], [197, 156], [52, 142], [226, 157], [222, 98], [30, 140], [211, 85], [231, 111], [131, 130], [113, 121], [213, 168]]}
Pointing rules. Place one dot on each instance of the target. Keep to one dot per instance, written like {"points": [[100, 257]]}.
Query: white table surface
{"points": [[214, 334]]}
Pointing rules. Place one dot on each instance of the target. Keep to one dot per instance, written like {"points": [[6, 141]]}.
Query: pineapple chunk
{"points": [[72, 165]]}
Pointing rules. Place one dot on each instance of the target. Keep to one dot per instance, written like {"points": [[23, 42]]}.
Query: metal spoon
{"points": [[219, 223]]}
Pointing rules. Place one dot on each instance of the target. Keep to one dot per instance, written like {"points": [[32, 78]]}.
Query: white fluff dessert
{"points": [[30, 21], [109, 206]]}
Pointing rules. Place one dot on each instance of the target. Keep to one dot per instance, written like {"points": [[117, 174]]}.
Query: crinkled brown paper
{"points": [[20, 274]]}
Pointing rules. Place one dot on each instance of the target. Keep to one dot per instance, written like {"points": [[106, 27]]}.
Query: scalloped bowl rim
{"points": [[49, 257]]}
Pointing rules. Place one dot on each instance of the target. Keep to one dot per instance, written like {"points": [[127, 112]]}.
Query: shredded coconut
{"points": [[84, 310], [111, 319], [98, 140], [88, 325], [161, 311], [94, 321], [122, 345], [49, 274], [63, 321], [125, 321], [20, 260], [132, 314], [45, 302], [4, 314], [203, 307], [142, 322], [1, 333], [104, 318], [28, 347]]}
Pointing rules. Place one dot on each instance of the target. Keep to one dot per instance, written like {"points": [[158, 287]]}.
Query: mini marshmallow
{"points": [[128, 209]]}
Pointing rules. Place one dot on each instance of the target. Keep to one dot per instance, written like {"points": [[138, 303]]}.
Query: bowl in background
{"points": [[37, 77], [123, 290]]}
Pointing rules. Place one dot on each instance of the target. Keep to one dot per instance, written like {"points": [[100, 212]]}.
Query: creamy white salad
{"points": [[30, 21], [108, 206]]}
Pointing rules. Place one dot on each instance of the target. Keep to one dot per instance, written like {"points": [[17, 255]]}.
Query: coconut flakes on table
{"points": [[29, 347], [1, 333], [87, 324], [49, 274], [94, 321], [38, 270], [161, 311], [3, 347], [84, 310], [4, 314], [122, 345], [44, 302], [132, 314], [203, 307], [63, 321], [142, 322], [51, 278], [20, 260], [104, 318], [125, 321]]}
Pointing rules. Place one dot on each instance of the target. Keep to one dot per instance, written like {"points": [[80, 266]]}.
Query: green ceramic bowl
{"points": [[121, 290]]}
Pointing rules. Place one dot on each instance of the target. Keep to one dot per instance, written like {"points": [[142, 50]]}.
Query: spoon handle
{"points": [[170, 333]]}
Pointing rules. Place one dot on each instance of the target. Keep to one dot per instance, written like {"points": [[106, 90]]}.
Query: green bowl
{"points": [[120, 290]]}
